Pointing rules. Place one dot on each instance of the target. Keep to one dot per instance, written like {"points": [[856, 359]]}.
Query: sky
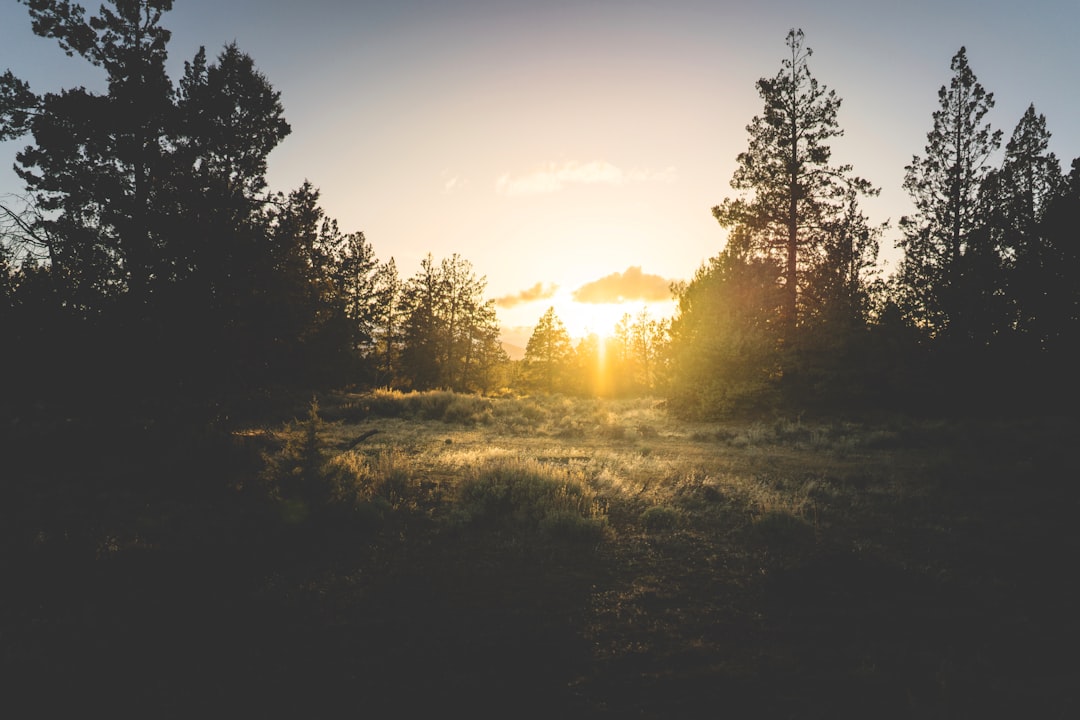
{"points": [[572, 151]]}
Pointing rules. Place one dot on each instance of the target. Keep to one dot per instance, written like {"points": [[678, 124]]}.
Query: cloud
{"points": [[556, 177], [453, 182], [539, 291], [619, 287]]}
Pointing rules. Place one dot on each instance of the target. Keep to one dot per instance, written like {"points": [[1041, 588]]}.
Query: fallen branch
{"points": [[361, 438]]}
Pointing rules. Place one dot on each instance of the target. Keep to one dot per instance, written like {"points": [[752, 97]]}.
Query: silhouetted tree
{"points": [[793, 194], [1019, 195], [424, 337], [947, 237], [827, 364], [94, 167], [485, 359], [389, 314], [449, 326], [1060, 325], [801, 212], [158, 247], [356, 276]]}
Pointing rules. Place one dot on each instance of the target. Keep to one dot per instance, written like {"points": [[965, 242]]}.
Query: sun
{"points": [[584, 319], [519, 317]]}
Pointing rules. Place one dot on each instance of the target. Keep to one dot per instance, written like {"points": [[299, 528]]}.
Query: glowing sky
{"points": [[555, 144]]}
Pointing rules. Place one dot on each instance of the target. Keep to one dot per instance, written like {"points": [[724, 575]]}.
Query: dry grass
{"points": [[602, 560], [653, 473]]}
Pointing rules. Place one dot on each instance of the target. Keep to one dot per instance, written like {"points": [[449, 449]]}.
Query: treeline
{"points": [[631, 361], [149, 270], [982, 313]]}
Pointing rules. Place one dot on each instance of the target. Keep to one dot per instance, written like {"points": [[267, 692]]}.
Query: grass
{"points": [[598, 558], [521, 497]]}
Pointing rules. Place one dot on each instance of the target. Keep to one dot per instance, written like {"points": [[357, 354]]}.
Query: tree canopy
{"points": [[795, 202]]}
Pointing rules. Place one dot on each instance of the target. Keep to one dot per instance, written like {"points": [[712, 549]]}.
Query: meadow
{"points": [[393, 555]]}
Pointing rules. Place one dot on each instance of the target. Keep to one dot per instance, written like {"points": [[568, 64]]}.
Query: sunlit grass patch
{"points": [[519, 414], [385, 474], [458, 457], [522, 498], [442, 405]]}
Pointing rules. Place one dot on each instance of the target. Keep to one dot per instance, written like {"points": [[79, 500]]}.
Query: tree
{"points": [[92, 169], [389, 314], [726, 336], [640, 339], [449, 326], [1019, 195], [156, 247], [1061, 323], [548, 353], [488, 360], [792, 194], [840, 289], [947, 226], [589, 367]]}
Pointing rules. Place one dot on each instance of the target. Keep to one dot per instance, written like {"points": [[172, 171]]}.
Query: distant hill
{"points": [[515, 339], [516, 352]]}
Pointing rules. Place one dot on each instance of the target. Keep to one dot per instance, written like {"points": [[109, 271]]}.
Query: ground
{"points": [[559, 557]]}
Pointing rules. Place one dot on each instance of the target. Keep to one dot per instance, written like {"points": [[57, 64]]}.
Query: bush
{"points": [[612, 432], [298, 477], [524, 498], [384, 478], [782, 532], [659, 517], [444, 405], [519, 414]]}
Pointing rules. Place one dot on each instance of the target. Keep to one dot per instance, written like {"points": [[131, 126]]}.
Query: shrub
{"points": [[298, 477], [444, 405], [525, 498], [384, 478], [659, 517], [782, 532], [612, 432], [647, 431], [519, 414]]}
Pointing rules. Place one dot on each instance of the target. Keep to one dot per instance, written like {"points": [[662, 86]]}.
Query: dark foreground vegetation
{"points": [[549, 558]]}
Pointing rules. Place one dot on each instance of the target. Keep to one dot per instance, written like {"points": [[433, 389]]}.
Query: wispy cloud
{"points": [[539, 291], [553, 177], [620, 287], [452, 182]]}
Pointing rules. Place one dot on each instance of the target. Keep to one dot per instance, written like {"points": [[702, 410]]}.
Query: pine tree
{"points": [[162, 252], [548, 353], [1019, 195], [945, 238], [792, 194], [725, 340], [641, 339], [388, 319], [448, 322], [1060, 325]]}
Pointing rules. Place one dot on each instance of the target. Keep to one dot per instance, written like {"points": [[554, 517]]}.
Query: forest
{"points": [[250, 466]]}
